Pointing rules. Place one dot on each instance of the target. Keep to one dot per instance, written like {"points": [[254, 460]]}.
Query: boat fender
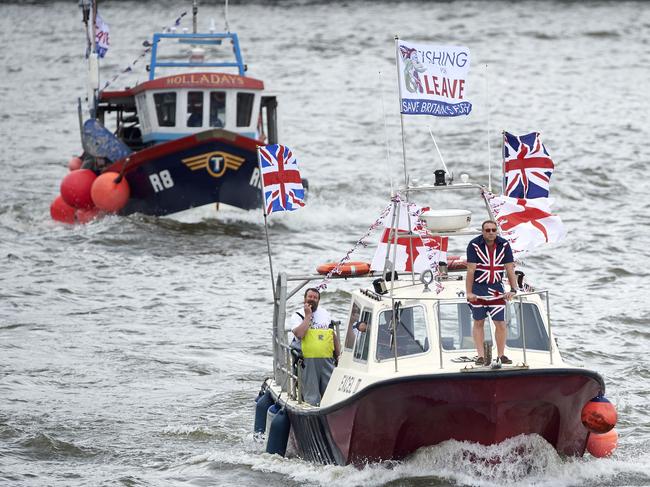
{"points": [[270, 414], [599, 415], [279, 433], [601, 446], [347, 269], [263, 403]]}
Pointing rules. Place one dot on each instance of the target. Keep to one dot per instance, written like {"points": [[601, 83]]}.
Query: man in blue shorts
{"points": [[488, 258]]}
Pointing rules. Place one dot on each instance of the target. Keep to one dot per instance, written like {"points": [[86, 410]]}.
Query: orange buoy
{"points": [[347, 269], [109, 195], [84, 216], [75, 163], [75, 188], [599, 415], [61, 211], [603, 445]]}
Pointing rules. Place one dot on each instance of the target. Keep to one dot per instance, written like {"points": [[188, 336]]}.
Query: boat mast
{"points": [[195, 11], [89, 13], [401, 115]]}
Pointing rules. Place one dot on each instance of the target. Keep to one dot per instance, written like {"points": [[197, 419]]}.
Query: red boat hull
{"points": [[392, 419]]}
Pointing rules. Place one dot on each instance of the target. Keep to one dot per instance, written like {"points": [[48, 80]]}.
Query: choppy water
{"points": [[131, 348]]}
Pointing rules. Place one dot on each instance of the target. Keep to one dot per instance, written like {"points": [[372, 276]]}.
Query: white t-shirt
{"points": [[319, 319]]}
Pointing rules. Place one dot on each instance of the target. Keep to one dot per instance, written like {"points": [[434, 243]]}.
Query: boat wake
{"points": [[523, 460]]}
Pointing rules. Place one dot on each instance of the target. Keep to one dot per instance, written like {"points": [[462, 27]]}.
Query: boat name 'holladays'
{"points": [[212, 78]]}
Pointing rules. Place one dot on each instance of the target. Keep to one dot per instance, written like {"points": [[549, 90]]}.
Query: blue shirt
{"points": [[490, 264]]}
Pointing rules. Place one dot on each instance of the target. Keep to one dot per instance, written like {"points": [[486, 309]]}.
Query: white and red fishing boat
{"points": [[410, 381], [410, 378]]}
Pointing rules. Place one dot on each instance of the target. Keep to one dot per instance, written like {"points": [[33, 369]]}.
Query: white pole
{"points": [[401, 115], [266, 228], [487, 104]]}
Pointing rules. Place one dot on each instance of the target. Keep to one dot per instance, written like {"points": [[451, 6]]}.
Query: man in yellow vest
{"points": [[319, 343]]}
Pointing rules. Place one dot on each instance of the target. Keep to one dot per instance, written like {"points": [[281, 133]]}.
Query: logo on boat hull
{"points": [[216, 163]]}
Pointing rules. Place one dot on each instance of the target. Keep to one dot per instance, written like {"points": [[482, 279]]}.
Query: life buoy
{"points": [[347, 269], [456, 263]]}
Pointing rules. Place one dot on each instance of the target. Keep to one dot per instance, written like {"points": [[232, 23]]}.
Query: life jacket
{"points": [[317, 342]]}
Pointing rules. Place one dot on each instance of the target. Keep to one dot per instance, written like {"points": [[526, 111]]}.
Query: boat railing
{"points": [[283, 361], [196, 40]]}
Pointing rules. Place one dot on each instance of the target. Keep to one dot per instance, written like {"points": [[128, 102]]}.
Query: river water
{"points": [[131, 349]]}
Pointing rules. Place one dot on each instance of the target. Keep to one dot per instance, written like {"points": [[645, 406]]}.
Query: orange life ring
{"points": [[456, 263], [347, 269]]}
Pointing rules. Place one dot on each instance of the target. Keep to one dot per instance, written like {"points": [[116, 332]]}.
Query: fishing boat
{"points": [[185, 137], [408, 376], [410, 379]]}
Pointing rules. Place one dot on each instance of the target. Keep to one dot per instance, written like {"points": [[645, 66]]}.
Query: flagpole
{"points": [[266, 227], [401, 115], [503, 162], [487, 104]]}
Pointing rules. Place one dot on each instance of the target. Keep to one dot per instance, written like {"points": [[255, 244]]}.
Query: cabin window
{"points": [[165, 109], [195, 109], [456, 327], [354, 318], [412, 337], [362, 336], [244, 109], [217, 109], [535, 331]]}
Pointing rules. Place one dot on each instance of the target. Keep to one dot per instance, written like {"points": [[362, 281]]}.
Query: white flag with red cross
{"points": [[527, 223]]}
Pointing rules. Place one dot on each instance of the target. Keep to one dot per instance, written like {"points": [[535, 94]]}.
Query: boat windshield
{"points": [[534, 329], [412, 335], [456, 327]]}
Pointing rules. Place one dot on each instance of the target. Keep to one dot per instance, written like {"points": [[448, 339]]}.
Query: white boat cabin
{"points": [[433, 334], [176, 106]]}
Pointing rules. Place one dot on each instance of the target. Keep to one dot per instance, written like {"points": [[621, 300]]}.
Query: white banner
{"points": [[432, 79]]}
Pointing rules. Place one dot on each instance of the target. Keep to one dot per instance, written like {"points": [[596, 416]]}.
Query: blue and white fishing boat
{"points": [[187, 136]]}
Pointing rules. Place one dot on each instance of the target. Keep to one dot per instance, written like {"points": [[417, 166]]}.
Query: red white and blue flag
{"points": [[527, 166], [281, 181], [490, 265]]}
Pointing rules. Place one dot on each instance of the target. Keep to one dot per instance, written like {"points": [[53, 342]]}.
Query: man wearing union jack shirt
{"points": [[488, 258]]}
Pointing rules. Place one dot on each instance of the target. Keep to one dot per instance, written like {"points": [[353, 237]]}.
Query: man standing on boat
{"points": [[488, 257], [320, 346]]}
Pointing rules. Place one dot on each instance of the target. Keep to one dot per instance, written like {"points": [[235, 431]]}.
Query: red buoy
{"points": [[75, 163], [86, 215], [75, 188], [599, 415], [61, 211], [601, 446], [109, 195]]}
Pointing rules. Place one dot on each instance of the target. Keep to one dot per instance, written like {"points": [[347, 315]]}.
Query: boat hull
{"points": [[392, 419], [215, 166]]}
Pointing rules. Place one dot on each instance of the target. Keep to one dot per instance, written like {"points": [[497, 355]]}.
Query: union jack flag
{"points": [[490, 265], [494, 302], [527, 166], [281, 181]]}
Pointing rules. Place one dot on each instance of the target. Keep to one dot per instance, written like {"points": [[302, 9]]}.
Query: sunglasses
{"points": [[490, 230]]}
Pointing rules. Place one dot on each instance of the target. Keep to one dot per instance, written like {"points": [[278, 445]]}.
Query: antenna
{"points": [[225, 16], [383, 111], [439, 153]]}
